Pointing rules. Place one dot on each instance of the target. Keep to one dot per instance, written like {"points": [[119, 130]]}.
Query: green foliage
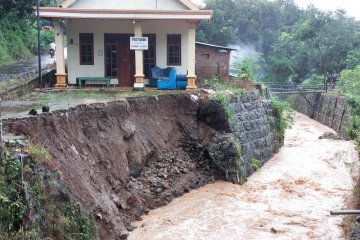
{"points": [[313, 80], [47, 37], [284, 113], [317, 44], [18, 29], [75, 224], [12, 199], [23, 8], [18, 38], [350, 88], [224, 100], [256, 164], [219, 30], [219, 84], [55, 219], [293, 41], [39, 153], [249, 69], [353, 59]]}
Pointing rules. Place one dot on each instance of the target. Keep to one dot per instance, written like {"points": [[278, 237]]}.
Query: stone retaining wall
{"points": [[254, 124]]}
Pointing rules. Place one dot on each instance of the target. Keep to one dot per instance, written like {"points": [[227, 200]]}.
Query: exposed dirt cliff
{"points": [[123, 158]]}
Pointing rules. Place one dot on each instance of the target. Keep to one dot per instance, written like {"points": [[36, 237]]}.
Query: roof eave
{"points": [[188, 3], [46, 12]]}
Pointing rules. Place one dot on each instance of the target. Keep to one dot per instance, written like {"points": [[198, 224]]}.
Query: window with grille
{"points": [[86, 48], [174, 49], [150, 54]]}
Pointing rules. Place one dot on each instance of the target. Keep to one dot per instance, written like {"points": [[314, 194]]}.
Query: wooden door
{"points": [[126, 65]]}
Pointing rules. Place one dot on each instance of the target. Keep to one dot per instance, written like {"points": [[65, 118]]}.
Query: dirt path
{"points": [[289, 198]]}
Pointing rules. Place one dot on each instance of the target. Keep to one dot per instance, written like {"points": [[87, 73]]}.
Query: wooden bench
{"points": [[82, 80]]}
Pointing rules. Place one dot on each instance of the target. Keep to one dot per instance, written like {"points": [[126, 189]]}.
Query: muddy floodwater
{"points": [[288, 198]]}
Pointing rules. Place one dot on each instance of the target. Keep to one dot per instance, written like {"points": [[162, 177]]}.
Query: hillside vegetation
{"points": [[18, 29], [292, 41]]}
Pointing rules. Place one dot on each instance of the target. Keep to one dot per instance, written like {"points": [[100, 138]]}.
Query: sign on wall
{"points": [[139, 43]]}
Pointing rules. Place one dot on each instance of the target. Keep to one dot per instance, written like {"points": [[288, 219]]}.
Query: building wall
{"points": [[209, 62], [100, 27], [130, 4]]}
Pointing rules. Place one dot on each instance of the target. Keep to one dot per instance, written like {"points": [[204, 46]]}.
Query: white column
{"points": [[191, 55], [60, 60], [139, 62]]}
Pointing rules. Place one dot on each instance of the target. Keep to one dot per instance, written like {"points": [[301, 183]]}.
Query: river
{"points": [[288, 198]]}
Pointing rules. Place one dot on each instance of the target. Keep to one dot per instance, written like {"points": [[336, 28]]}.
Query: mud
{"points": [[122, 159], [289, 198]]}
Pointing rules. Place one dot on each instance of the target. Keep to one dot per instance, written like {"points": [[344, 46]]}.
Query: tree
{"points": [[353, 59], [219, 30]]}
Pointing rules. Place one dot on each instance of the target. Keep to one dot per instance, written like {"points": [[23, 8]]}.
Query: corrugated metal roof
{"points": [[215, 46]]}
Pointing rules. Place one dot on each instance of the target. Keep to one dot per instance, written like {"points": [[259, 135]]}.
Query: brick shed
{"points": [[212, 60]]}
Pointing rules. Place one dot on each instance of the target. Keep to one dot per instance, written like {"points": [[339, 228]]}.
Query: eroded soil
{"points": [[289, 198]]}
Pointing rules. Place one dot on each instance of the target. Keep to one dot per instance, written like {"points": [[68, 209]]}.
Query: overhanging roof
{"points": [[53, 12]]}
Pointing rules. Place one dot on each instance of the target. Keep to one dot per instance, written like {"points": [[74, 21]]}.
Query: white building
{"points": [[99, 31]]}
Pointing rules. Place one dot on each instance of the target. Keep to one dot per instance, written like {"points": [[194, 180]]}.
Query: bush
{"points": [[224, 100], [350, 88], [249, 69], [39, 154], [284, 113], [313, 80], [47, 37], [17, 39], [52, 218], [12, 198]]}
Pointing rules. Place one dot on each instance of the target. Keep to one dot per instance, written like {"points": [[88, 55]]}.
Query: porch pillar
{"points": [[60, 60], [139, 67], [191, 77]]}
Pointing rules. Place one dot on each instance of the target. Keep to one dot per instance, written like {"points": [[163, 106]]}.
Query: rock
{"points": [[208, 91], [120, 203], [124, 234], [45, 109], [131, 227], [158, 190], [330, 135], [135, 170], [273, 230], [33, 112], [137, 210], [129, 129], [98, 216], [194, 98]]}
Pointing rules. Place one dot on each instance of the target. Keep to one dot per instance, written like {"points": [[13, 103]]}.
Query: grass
{"points": [[256, 164], [284, 113], [223, 99], [219, 84], [39, 154]]}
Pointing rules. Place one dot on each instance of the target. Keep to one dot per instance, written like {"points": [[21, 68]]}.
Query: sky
{"points": [[351, 6]]}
